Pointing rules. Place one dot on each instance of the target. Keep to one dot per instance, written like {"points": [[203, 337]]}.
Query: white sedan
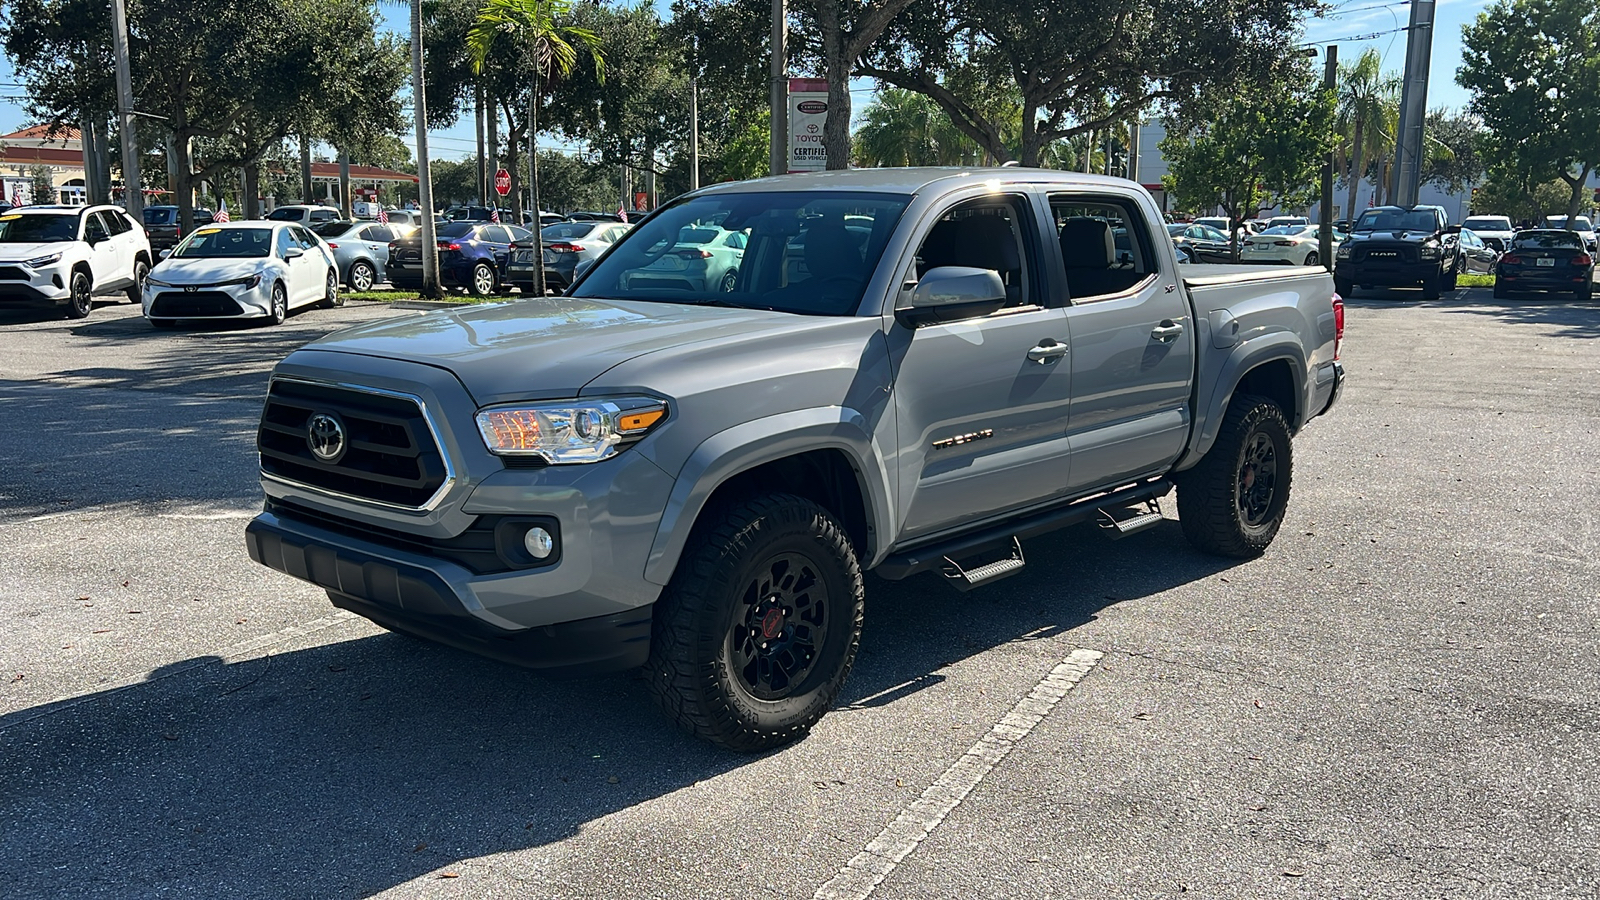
{"points": [[241, 270], [1296, 245]]}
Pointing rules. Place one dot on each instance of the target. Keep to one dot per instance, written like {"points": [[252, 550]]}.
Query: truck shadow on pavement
{"points": [[349, 768]]}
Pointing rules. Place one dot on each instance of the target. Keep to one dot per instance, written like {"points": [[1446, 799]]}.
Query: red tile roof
{"points": [[43, 133]]}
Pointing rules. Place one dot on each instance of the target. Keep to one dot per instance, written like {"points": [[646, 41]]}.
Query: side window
{"points": [[94, 229], [375, 234], [985, 234], [284, 241], [115, 222], [519, 234], [735, 241], [1105, 247]]}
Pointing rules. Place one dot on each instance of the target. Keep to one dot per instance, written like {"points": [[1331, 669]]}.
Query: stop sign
{"points": [[502, 182]]}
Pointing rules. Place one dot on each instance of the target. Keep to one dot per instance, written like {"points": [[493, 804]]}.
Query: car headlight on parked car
{"points": [[151, 281], [1430, 250], [42, 261], [569, 431], [250, 283]]}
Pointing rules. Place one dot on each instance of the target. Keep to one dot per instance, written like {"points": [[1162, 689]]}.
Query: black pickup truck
{"points": [[1399, 246]]}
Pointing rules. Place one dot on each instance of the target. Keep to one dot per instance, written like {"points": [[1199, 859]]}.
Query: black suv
{"points": [[1399, 246]]}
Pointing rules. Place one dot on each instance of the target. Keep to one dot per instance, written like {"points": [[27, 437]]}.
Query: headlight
{"points": [[569, 431], [42, 261], [249, 284], [1430, 251], [155, 282], [1343, 252]]}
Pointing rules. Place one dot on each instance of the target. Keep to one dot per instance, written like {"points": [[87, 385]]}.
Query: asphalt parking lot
{"points": [[1398, 700]]}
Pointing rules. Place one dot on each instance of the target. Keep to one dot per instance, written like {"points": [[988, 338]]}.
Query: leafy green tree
{"points": [[1533, 69], [1455, 141], [843, 33], [905, 128], [1507, 192], [1261, 143], [1077, 66]]}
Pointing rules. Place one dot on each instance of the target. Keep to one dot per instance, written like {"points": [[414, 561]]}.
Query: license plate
{"points": [[670, 263], [523, 256], [1547, 261]]}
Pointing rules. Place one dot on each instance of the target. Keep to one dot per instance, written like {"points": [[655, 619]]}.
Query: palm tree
{"points": [[905, 128], [1367, 117], [554, 45]]}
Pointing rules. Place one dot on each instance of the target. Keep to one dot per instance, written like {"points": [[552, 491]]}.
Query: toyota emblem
{"points": [[190, 288], [325, 437]]}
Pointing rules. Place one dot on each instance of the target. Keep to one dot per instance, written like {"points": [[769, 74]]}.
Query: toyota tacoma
{"points": [[914, 371]]}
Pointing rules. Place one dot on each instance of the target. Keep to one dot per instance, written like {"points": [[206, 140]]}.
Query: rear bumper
{"points": [[1552, 279], [1338, 388], [434, 599]]}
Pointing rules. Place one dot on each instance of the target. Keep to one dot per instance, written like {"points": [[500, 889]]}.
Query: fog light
{"points": [[539, 543]]}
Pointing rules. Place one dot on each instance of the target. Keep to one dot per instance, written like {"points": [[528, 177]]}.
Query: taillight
{"points": [[564, 247], [1510, 260], [1582, 260], [445, 246], [1338, 325], [332, 246], [1283, 243]]}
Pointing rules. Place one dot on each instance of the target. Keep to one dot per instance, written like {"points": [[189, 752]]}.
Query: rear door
{"points": [[103, 255], [1132, 350], [981, 405]]}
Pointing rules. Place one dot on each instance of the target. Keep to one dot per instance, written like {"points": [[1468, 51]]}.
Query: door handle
{"points": [[1047, 351], [1167, 331]]}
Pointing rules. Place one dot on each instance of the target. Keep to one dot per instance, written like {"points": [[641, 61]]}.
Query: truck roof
{"points": [[912, 180]]}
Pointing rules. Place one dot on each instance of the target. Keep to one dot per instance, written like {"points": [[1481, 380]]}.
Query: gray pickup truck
{"points": [[914, 371]]}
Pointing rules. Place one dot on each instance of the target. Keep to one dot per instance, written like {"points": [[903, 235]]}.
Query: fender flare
{"points": [[1245, 357], [755, 443]]}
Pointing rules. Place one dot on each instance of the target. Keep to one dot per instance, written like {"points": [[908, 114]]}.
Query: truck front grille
{"points": [[389, 454], [1386, 253]]}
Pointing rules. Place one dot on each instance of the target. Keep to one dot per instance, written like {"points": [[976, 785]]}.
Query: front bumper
{"points": [[437, 600], [1389, 275], [22, 286], [207, 301]]}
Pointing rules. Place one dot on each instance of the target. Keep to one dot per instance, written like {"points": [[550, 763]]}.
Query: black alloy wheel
{"points": [[1258, 476], [82, 297], [780, 625]]}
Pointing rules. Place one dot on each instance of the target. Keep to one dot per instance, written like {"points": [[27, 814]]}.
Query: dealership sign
{"points": [[808, 112]]}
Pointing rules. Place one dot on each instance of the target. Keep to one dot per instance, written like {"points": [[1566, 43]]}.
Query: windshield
{"points": [[455, 230], [1396, 220], [1582, 223], [1547, 240], [808, 252], [1487, 224], [225, 243], [566, 231], [1176, 229], [286, 214], [20, 229]]}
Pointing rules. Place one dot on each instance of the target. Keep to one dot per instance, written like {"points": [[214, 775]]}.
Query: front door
{"points": [[981, 405], [1132, 356]]}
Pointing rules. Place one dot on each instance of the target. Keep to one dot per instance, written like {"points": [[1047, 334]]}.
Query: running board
{"points": [[965, 580], [1118, 523], [995, 538]]}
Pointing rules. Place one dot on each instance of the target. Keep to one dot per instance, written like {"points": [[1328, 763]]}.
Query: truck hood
{"points": [[1411, 237], [545, 348]]}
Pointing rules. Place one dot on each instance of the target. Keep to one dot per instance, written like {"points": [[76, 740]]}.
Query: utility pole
{"points": [[346, 208], [1133, 150], [1406, 178], [132, 186], [430, 241], [1330, 83], [778, 149], [483, 162], [694, 114]]}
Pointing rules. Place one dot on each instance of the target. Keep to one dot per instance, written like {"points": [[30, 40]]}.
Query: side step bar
{"points": [[1117, 524], [996, 538], [965, 580]]}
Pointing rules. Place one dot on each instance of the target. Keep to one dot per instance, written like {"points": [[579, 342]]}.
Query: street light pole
{"points": [[419, 108], [1330, 83], [132, 185], [1406, 177], [778, 148]]}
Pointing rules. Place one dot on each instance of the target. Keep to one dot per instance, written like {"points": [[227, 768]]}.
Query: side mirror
{"points": [[293, 253], [953, 293], [166, 253]]}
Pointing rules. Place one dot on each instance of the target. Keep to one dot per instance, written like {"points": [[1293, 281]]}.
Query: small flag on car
{"points": [[16, 196], [622, 213], [383, 216], [221, 218], [494, 216]]}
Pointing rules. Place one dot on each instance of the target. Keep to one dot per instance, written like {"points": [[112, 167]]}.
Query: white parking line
{"points": [[862, 875], [225, 656]]}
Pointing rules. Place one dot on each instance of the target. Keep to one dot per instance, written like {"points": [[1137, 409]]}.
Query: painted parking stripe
{"points": [[867, 869]]}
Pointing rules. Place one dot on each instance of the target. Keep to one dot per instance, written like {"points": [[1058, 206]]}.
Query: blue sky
{"points": [[1348, 19]]}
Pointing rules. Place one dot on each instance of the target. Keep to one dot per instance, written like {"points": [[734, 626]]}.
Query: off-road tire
{"points": [[1213, 494], [81, 295], [694, 670]]}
